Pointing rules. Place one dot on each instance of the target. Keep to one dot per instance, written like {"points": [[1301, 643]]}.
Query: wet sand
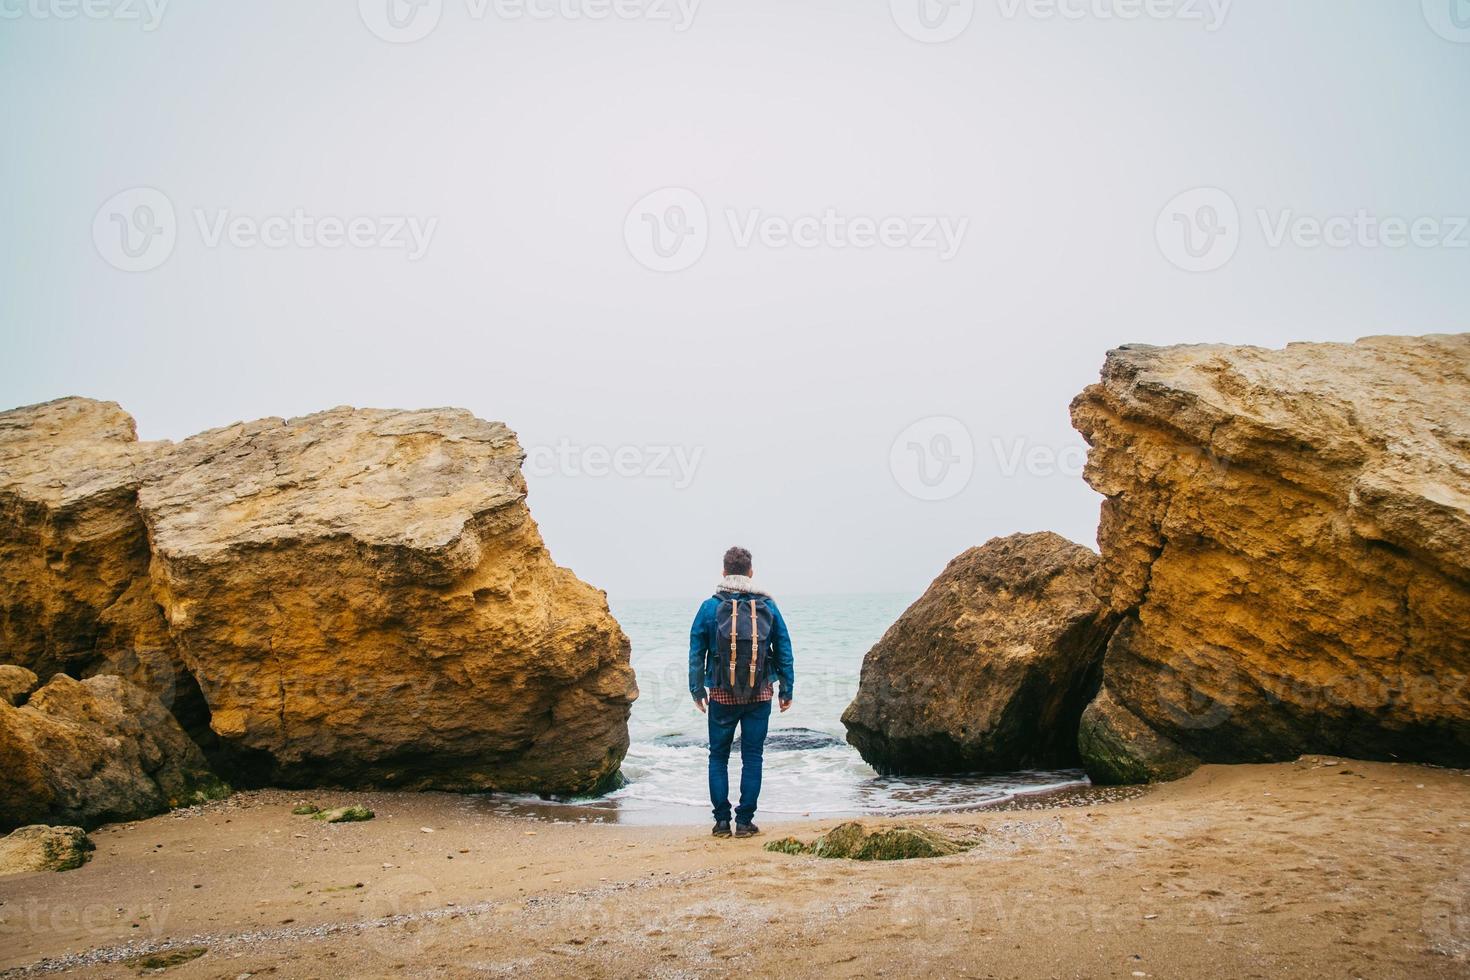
{"points": [[1313, 868]]}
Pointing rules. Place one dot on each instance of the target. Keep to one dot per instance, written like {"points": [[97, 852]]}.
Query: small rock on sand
{"points": [[853, 840], [42, 848], [345, 814]]}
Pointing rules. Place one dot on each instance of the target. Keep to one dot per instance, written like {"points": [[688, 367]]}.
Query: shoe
{"points": [[722, 828], [746, 830]]}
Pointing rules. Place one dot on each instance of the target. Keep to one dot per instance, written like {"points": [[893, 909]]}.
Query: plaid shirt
{"points": [[763, 693]]}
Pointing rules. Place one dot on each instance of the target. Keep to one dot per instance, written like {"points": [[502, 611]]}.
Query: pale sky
{"points": [[893, 240]]}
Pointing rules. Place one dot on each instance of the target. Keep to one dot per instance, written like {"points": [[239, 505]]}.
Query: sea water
{"points": [[810, 770]]}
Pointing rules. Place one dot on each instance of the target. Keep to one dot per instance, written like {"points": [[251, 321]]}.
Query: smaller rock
{"points": [[305, 809], [1119, 748], [794, 740], [344, 814], [855, 842], [990, 669], [16, 684], [42, 848], [95, 751]]}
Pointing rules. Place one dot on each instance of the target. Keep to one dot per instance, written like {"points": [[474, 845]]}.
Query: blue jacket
{"points": [[780, 665]]}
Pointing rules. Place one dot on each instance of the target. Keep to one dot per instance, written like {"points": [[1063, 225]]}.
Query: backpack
{"points": [[742, 642]]}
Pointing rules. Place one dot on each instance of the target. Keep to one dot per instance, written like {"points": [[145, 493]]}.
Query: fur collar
{"points": [[741, 583]]}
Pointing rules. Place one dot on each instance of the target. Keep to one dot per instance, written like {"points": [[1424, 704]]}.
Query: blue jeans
{"points": [[753, 720]]}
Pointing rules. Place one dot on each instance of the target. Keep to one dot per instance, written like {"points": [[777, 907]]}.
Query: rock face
{"points": [[990, 668], [1286, 535], [354, 597], [42, 848], [1119, 748], [74, 591], [364, 599], [87, 752], [16, 684]]}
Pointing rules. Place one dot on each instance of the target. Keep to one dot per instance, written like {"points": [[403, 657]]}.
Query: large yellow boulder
{"points": [[1286, 536], [364, 599], [356, 597]]}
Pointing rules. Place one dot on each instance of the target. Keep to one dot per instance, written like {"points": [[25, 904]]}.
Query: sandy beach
{"points": [[1320, 867]]}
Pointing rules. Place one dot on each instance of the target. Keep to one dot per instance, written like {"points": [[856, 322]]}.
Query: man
{"points": [[737, 645]]}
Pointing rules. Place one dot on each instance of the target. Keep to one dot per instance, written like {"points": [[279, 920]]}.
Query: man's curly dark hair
{"points": [[737, 562]]}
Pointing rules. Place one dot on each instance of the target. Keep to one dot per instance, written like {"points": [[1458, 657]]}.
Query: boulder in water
{"points": [[990, 669], [799, 740]]}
